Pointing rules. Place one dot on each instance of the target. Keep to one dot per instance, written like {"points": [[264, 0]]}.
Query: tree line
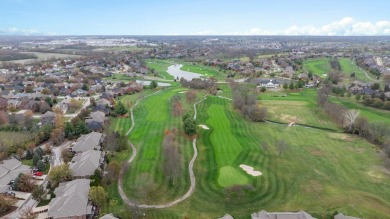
{"points": [[246, 102]]}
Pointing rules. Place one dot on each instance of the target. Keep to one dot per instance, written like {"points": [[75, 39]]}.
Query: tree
{"points": [[113, 169], [350, 119], [60, 173], [120, 109], [285, 86], [37, 157], [41, 165], [6, 202], [66, 155], [189, 127], [190, 96], [38, 193], [291, 86], [97, 195], [26, 183], [153, 85], [85, 87], [27, 213], [281, 146]]}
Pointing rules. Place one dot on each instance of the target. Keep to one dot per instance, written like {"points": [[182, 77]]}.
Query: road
{"points": [[125, 167]]}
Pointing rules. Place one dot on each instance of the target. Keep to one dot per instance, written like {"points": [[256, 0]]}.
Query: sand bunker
{"points": [[182, 92], [249, 170], [204, 127]]}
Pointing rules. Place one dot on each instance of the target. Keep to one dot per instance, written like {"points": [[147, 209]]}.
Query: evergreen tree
{"points": [[120, 109]]}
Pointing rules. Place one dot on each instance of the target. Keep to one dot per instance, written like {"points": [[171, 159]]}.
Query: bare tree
{"points": [[27, 213], [281, 146], [350, 119], [172, 157], [191, 96]]}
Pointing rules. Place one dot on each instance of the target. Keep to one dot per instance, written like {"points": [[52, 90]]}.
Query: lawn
{"points": [[296, 106], [161, 67], [207, 71], [348, 67], [372, 114], [146, 174], [318, 66], [15, 138], [319, 172]]}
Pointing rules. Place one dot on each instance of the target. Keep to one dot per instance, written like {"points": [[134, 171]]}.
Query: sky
{"points": [[190, 17]]}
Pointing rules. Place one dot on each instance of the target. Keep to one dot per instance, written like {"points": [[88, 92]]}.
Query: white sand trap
{"points": [[182, 92], [204, 127], [249, 170]]}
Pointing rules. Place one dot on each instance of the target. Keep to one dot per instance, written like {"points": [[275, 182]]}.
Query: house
{"points": [[101, 108], [63, 105], [94, 126], [21, 115], [71, 201], [108, 216], [83, 165], [285, 215], [270, 84], [10, 170], [103, 102], [48, 118], [226, 216], [91, 141]]}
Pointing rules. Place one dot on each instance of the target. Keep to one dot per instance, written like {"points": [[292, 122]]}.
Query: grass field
{"points": [[320, 171], [153, 117], [318, 66], [207, 71], [15, 138], [372, 114], [347, 67], [161, 67], [297, 106]]}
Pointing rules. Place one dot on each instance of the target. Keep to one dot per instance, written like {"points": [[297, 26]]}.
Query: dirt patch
{"points": [[317, 152], [357, 150], [249, 170], [341, 136], [289, 118], [204, 127], [313, 187]]}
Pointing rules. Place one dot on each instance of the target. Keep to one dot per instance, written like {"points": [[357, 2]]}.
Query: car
{"points": [[38, 173], [9, 193]]}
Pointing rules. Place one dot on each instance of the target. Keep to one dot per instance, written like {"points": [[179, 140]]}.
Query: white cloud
{"points": [[344, 27], [23, 32]]}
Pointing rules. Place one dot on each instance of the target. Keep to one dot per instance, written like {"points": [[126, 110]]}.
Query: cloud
{"points": [[24, 32], [345, 27]]}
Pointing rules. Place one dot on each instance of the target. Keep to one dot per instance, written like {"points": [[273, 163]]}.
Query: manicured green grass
{"points": [[230, 176], [296, 106], [161, 67], [320, 172], [348, 67], [372, 114], [207, 71], [152, 118], [318, 66]]}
